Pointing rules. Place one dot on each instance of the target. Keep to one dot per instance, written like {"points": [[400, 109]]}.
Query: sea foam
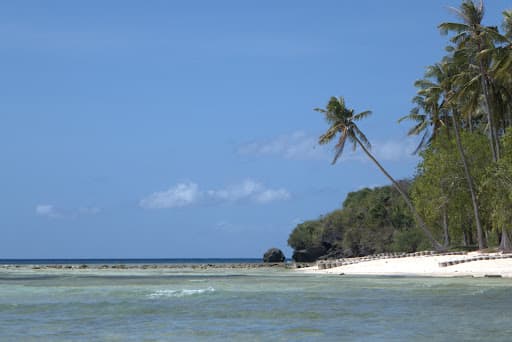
{"points": [[180, 293]]}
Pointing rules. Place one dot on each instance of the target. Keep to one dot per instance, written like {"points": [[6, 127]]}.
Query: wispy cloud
{"points": [[297, 146], [47, 210], [249, 190], [53, 212], [186, 194], [302, 146], [388, 150], [180, 195], [226, 226], [395, 150]]}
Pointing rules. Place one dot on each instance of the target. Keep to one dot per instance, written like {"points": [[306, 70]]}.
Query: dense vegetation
{"points": [[371, 221], [462, 192]]}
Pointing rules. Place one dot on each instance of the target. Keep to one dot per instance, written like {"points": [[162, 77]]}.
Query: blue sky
{"points": [[186, 128]]}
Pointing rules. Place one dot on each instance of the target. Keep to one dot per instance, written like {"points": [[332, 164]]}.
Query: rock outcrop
{"points": [[274, 255], [308, 255]]}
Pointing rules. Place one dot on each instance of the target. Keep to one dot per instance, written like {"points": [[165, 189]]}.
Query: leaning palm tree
{"points": [[342, 121]]}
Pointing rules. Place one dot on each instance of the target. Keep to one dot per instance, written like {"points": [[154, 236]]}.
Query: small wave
{"points": [[180, 293]]}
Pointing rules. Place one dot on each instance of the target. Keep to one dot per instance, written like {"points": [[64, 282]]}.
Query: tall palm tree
{"points": [[342, 121], [443, 87], [473, 42]]}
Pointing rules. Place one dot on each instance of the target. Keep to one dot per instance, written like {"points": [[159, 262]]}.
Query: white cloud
{"points": [[47, 210], [297, 146], [50, 211], [271, 195], [183, 194], [236, 192], [249, 190], [388, 150], [301, 146], [186, 194], [394, 150]]}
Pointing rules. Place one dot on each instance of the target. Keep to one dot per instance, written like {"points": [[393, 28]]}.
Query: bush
{"points": [[306, 235], [409, 240]]}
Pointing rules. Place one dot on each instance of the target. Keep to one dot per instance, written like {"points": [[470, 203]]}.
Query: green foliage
{"points": [[306, 235], [409, 240], [440, 185], [496, 188], [370, 222]]}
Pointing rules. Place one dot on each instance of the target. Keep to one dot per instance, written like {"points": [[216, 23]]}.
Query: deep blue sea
{"points": [[256, 304], [173, 261]]}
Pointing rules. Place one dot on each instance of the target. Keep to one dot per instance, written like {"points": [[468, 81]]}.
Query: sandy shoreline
{"points": [[427, 265], [436, 265]]}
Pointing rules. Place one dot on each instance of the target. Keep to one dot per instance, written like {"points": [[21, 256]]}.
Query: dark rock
{"points": [[333, 253], [308, 255], [273, 255]]}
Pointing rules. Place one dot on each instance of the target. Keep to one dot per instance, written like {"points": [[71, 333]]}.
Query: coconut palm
{"points": [[474, 43], [342, 121], [427, 114], [443, 90]]}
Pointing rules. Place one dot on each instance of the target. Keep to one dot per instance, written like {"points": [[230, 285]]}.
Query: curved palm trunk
{"points": [[437, 246], [469, 179]]}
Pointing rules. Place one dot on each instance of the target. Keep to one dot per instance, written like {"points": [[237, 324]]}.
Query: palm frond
{"points": [[362, 115], [475, 81], [423, 142], [414, 116], [360, 135], [424, 83], [340, 146], [455, 27], [328, 136], [495, 35], [354, 143], [507, 23], [417, 129]]}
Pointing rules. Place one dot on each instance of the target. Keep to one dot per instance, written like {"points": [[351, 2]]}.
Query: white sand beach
{"points": [[427, 265]]}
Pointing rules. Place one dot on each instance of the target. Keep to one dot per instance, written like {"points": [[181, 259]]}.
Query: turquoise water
{"points": [[247, 305]]}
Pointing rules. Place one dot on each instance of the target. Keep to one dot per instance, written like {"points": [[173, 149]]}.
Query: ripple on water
{"points": [[168, 293]]}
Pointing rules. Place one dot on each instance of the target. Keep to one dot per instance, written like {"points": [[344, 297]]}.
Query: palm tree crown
{"points": [[342, 120]]}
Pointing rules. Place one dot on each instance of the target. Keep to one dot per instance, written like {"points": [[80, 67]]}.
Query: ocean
{"points": [[246, 304]]}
